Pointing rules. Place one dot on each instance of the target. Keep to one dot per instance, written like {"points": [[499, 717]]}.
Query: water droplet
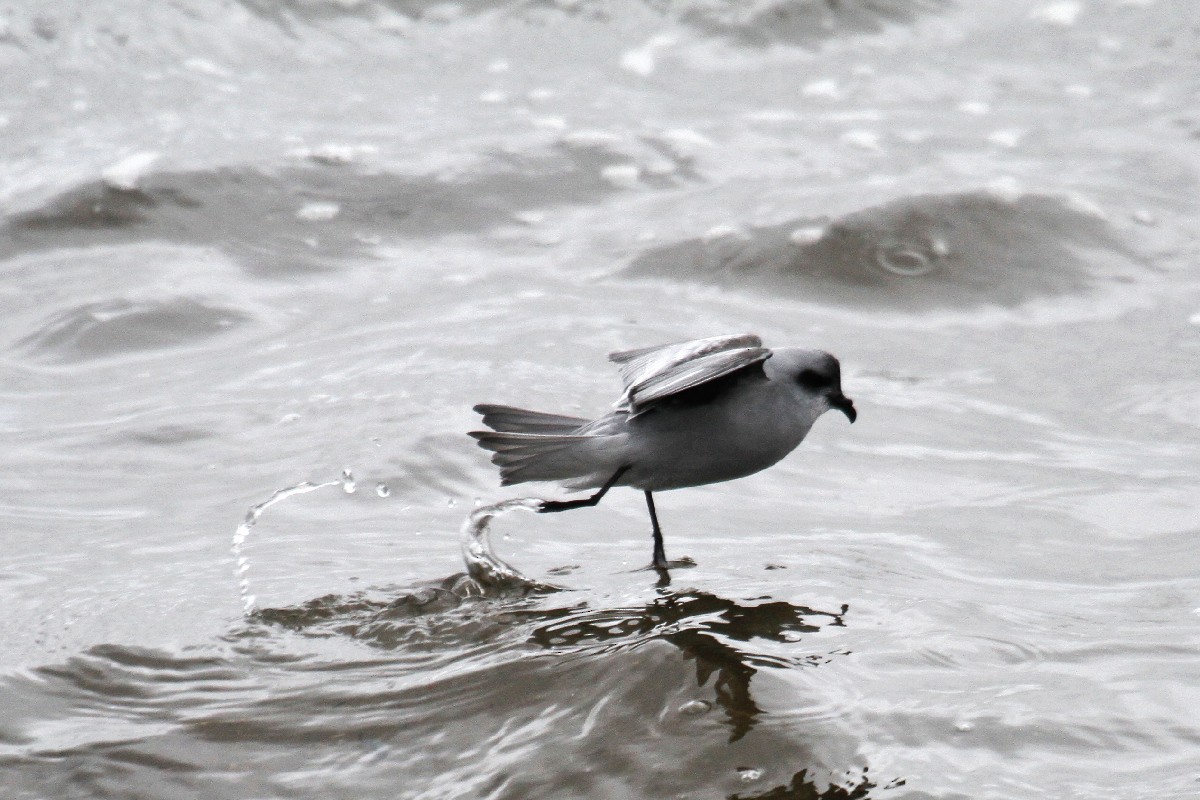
{"points": [[749, 774], [382, 490], [243, 533], [964, 726], [348, 485], [694, 708]]}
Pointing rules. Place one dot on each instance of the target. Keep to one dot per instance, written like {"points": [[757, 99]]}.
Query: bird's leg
{"points": [[660, 555], [549, 506]]}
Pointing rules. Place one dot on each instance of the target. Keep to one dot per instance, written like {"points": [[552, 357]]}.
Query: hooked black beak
{"points": [[845, 405]]}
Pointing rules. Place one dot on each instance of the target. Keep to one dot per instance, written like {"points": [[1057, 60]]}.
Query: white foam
{"points": [[643, 60], [623, 175], [862, 139], [639, 62], [206, 67], [126, 173], [318, 211], [686, 137], [825, 87], [807, 235], [1006, 137], [1064, 13]]}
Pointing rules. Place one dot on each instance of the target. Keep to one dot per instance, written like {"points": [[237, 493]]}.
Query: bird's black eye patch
{"points": [[812, 380]]}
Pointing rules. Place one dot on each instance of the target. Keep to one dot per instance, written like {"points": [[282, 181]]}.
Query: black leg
{"points": [[660, 555], [549, 506]]}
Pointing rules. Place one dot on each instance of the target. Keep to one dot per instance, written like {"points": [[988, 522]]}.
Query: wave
{"points": [[924, 251]]}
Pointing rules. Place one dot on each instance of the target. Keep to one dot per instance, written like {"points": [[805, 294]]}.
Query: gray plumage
{"points": [[692, 413]]}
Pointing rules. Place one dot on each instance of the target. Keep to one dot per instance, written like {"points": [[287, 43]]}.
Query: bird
{"points": [[692, 413]]}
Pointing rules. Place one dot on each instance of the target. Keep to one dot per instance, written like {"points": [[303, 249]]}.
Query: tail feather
{"points": [[507, 419], [533, 446]]}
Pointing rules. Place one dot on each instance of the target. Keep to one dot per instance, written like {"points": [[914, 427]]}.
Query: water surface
{"points": [[249, 245]]}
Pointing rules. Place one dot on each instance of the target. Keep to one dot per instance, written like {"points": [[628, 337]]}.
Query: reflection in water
{"points": [[803, 788], [474, 690], [702, 626], [714, 632]]}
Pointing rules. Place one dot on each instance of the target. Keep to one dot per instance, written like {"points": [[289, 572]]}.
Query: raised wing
{"points": [[644, 363], [654, 374]]}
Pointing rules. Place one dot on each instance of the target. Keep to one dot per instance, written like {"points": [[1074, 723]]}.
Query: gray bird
{"points": [[695, 412]]}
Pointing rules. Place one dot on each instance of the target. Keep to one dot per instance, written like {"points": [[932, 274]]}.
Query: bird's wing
{"points": [[641, 365], [692, 374]]}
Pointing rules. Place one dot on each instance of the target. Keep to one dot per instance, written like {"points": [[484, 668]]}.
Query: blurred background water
{"points": [[250, 244]]}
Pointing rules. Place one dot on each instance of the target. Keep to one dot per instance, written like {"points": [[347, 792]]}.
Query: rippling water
{"points": [[251, 245]]}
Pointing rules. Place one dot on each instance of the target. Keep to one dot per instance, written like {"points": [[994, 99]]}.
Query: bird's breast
{"points": [[743, 433]]}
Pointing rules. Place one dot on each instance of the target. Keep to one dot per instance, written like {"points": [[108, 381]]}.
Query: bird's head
{"points": [[813, 376]]}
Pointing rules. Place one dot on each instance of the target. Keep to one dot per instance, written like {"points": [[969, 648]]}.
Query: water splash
{"points": [[487, 568], [249, 601], [486, 571]]}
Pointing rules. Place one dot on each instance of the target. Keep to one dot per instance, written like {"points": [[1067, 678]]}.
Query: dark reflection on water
{"points": [[701, 625], [801, 787], [390, 619], [452, 669]]}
